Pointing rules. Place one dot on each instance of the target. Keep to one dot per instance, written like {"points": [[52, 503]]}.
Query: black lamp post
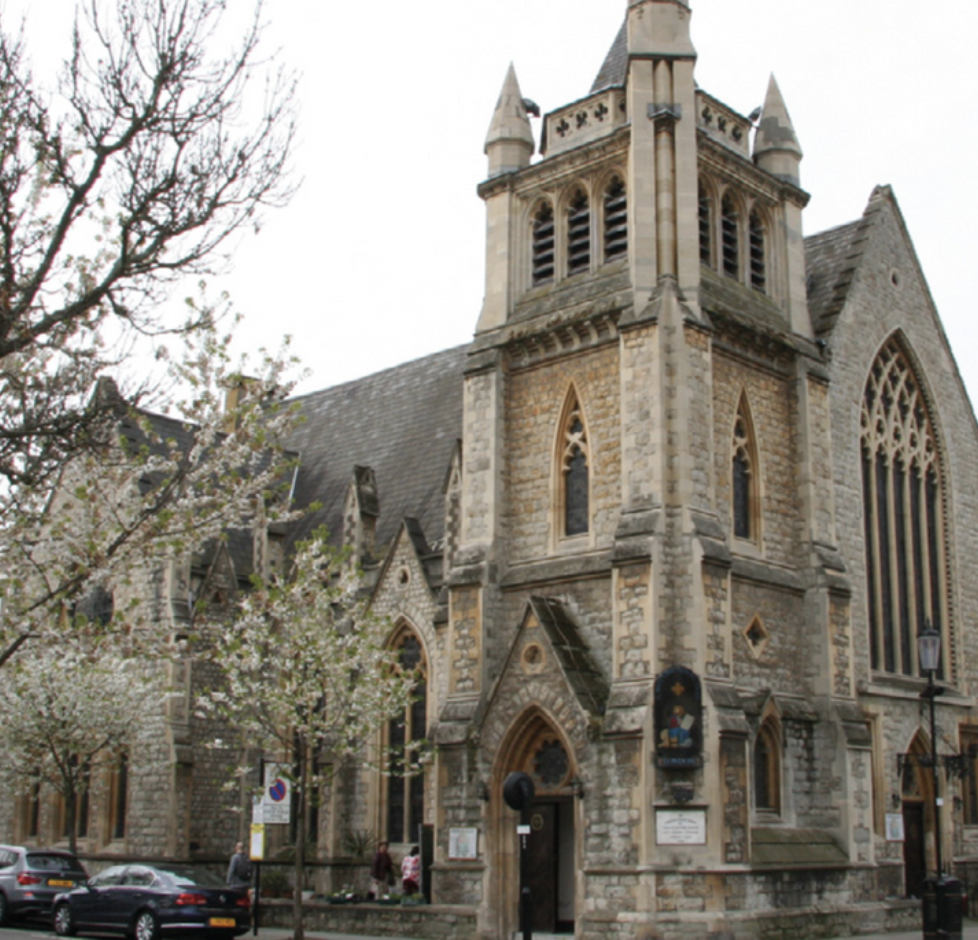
{"points": [[929, 654]]}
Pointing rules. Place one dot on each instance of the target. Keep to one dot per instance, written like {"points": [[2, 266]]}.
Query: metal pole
{"points": [[525, 882], [931, 694]]}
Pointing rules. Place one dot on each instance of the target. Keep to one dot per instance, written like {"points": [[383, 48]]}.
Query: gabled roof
{"points": [[403, 423]]}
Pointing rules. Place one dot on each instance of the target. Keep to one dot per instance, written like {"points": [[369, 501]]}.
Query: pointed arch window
{"points": [[756, 239], [405, 791], [543, 245], [574, 473], [730, 237], [767, 769], [615, 221], [705, 227], [119, 799], [903, 514], [578, 233], [743, 476]]}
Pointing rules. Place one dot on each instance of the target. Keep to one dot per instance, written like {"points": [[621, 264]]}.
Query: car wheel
{"points": [[147, 927], [64, 921], [4, 913]]}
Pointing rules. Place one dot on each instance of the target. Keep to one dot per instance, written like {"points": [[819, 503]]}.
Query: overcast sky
{"points": [[379, 258]]}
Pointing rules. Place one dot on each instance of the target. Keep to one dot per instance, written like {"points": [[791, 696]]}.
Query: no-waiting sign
{"points": [[276, 799]]}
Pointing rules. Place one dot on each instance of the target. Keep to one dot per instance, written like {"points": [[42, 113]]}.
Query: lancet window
{"points": [[578, 233], [767, 769], [903, 513], [743, 476], [705, 227], [574, 474], [615, 221], [405, 792], [730, 237], [756, 240], [543, 245]]}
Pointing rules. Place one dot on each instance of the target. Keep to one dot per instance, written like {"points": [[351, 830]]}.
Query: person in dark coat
{"points": [[381, 870]]}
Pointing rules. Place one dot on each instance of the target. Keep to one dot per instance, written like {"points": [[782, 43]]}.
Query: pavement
{"points": [[970, 932]]}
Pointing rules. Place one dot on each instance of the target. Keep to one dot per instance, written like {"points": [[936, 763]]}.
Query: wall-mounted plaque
{"points": [[463, 843], [680, 827]]}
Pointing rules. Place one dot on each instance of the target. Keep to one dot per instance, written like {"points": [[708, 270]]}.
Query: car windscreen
{"points": [[37, 861], [185, 876]]}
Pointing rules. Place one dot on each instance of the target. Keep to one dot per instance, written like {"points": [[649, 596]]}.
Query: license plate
{"points": [[55, 883], [223, 922]]}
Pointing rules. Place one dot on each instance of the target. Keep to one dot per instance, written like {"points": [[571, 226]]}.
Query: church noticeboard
{"points": [[680, 827], [678, 719]]}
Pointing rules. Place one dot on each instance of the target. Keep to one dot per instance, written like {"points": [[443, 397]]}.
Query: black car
{"points": [[150, 902], [30, 879]]}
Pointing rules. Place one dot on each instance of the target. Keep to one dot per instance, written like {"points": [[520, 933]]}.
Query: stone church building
{"points": [[662, 537]]}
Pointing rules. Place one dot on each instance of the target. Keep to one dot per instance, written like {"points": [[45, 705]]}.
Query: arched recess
{"points": [[572, 471], [917, 794], [904, 514], [766, 770], [577, 237], [731, 213], [403, 794], [615, 218], [707, 201], [542, 243], [757, 250], [534, 744], [745, 496]]}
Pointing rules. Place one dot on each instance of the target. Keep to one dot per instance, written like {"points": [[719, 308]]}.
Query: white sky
{"points": [[379, 258]]}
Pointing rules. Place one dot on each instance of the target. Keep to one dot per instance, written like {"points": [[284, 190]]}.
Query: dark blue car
{"points": [[150, 902]]}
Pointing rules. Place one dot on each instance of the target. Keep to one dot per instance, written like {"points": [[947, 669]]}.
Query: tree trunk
{"points": [[71, 811], [300, 839]]}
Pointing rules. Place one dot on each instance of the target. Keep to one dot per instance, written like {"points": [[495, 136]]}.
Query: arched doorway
{"points": [[535, 746], [918, 816]]}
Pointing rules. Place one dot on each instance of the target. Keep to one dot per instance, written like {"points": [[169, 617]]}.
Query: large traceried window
{"points": [[405, 792], [574, 479], [902, 512]]}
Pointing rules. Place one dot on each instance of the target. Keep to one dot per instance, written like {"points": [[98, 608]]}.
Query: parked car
{"points": [[153, 901], [30, 879]]}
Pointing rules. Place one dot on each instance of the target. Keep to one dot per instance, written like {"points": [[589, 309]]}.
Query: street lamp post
{"points": [[929, 654]]}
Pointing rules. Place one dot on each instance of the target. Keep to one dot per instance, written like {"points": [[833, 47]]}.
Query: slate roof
{"points": [[615, 66], [403, 423], [831, 259]]}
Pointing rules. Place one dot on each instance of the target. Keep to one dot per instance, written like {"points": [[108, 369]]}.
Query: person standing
{"points": [[411, 872], [381, 870], [239, 869]]}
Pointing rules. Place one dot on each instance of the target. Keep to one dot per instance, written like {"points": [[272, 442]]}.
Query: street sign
{"points": [[276, 798]]}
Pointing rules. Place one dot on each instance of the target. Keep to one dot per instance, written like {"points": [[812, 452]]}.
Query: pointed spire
{"points": [[776, 147], [509, 143]]}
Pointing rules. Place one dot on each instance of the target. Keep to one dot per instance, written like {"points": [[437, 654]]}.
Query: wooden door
{"points": [[914, 857], [542, 865]]}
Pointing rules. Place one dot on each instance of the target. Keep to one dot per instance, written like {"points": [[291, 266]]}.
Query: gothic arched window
{"points": [[574, 476], [758, 267], [578, 233], [743, 476], [902, 513], [405, 791], [730, 237], [705, 227], [615, 221], [767, 769], [543, 245]]}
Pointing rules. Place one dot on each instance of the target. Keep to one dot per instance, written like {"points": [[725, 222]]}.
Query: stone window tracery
{"points": [[902, 513], [405, 792]]}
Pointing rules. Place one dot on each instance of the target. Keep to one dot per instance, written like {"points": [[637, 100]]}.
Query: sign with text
{"points": [[276, 799], [680, 827]]}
